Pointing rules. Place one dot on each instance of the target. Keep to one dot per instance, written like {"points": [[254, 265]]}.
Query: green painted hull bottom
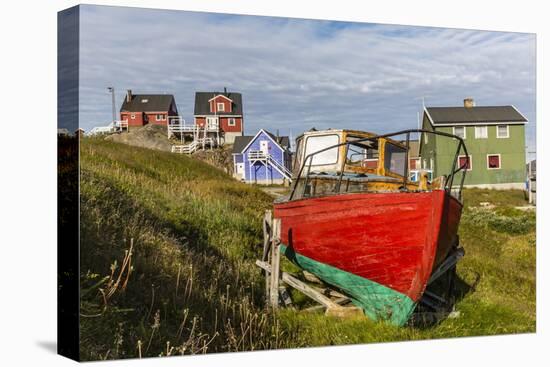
{"points": [[377, 301]]}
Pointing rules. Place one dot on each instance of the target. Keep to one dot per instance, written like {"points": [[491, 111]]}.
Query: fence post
{"points": [[275, 258]]}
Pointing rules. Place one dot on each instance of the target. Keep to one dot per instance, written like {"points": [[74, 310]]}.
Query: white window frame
{"points": [[212, 122], [133, 116], [425, 138], [162, 117], [507, 132], [231, 121], [218, 104], [499, 161], [465, 156], [144, 100], [486, 132], [313, 163], [454, 131]]}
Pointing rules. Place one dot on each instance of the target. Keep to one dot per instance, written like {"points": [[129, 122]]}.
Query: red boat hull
{"points": [[393, 239]]}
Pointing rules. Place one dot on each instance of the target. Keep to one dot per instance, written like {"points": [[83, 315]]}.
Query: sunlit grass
{"points": [[192, 286]]}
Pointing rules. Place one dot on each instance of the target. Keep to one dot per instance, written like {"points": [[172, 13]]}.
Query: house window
{"points": [[460, 131], [144, 100], [465, 161], [231, 122], [414, 163], [132, 116], [161, 117], [493, 161], [503, 131], [481, 132], [212, 123], [221, 107]]}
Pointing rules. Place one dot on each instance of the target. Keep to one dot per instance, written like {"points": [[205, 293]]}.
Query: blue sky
{"points": [[295, 74]]}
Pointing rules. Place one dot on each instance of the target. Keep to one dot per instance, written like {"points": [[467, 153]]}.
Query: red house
{"points": [[143, 109], [221, 111]]}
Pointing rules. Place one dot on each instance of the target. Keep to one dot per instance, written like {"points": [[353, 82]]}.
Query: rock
{"points": [[148, 136]]}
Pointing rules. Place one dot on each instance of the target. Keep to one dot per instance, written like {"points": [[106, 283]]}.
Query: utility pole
{"points": [[112, 90]]}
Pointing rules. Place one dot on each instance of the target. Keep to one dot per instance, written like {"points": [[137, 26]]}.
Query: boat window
{"points": [[363, 154], [394, 159], [316, 143]]}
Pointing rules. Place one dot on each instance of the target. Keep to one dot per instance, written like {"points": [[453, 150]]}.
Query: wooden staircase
{"points": [[193, 146]]}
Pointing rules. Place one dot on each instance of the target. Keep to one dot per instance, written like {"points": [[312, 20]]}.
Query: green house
{"points": [[494, 137]]}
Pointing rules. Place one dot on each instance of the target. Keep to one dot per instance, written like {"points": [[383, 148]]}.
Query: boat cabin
{"points": [[339, 161]]}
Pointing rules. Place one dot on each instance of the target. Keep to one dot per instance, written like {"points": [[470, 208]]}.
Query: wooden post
{"points": [[265, 256], [275, 259]]}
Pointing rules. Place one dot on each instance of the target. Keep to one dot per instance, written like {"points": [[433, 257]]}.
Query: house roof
{"points": [[472, 115], [148, 102], [240, 143], [283, 141], [202, 107]]}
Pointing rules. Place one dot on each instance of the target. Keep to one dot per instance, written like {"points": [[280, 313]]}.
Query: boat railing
{"points": [[449, 180]]}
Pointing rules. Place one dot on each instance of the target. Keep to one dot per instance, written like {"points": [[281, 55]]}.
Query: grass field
{"points": [[187, 283]]}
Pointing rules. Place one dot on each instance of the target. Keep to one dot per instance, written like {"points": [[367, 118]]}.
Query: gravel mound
{"points": [[148, 136]]}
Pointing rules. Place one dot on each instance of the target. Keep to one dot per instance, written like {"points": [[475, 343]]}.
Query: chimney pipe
{"points": [[469, 102], [128, 96]]}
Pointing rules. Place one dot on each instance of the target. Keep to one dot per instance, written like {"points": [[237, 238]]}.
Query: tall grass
{"points": [[168, 245]]}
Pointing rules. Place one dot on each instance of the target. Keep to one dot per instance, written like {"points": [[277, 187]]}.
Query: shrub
{"points": [[509, 221]]}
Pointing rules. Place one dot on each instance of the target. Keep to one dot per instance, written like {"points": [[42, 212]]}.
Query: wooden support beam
{"points": [[275, 259], [446, 265], [265, 255], [264, 265], [435, 296], [308, 291], [267, 234], [338, 301], [333, 308], [311, 277], [330, 292], [301, 286]]}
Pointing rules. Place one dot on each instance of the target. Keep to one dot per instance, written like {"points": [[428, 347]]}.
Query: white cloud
{"points": [[298, 73]]}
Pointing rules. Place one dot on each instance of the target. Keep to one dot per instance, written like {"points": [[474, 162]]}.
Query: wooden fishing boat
{"points": [[357, 221]]}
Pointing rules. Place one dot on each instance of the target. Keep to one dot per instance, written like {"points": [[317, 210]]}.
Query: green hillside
{"points": [[187, 282]]}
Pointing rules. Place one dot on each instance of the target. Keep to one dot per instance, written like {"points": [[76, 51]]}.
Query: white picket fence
{"points": [[113, 127]]}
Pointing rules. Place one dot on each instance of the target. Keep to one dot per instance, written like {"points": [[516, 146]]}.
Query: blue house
{"points": [[263, 158]]}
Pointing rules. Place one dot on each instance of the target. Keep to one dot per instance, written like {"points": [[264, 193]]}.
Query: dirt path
{"points": [[276, 191]]}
